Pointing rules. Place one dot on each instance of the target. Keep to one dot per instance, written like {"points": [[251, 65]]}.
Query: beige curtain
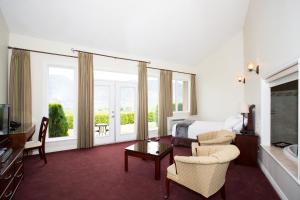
{"points": [[142, 132], [85, 100], [193, 98], [165, 101], [20, 87]]}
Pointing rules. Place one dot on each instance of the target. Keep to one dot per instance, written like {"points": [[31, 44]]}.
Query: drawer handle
{"points": [[9, 194], [19, 161], [19, 175], [8, 177]]}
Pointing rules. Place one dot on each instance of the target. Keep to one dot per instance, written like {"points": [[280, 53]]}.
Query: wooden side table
{"points": [[248, 146]]}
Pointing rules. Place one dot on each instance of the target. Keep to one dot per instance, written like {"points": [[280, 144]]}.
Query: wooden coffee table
{"points": [[149, 151]]}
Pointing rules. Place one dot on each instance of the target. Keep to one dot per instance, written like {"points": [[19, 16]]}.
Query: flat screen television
{"points": [[4, 120]]}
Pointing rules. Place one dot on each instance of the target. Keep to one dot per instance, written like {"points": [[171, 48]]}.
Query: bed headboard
{"points": [[251, 120]]}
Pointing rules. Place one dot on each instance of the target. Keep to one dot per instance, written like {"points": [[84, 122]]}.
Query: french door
{"points": [[115, 111]]}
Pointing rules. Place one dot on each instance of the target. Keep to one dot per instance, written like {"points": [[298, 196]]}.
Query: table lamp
{"points": [[244, 111]]}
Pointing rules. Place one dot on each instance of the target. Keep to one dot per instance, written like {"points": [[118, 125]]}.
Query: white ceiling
{"points": [[175, 31]]}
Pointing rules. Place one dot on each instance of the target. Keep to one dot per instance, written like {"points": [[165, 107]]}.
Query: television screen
{"points": [[4, 119]]}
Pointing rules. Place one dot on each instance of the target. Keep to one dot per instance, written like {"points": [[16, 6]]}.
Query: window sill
{"points": [[57, 139]]}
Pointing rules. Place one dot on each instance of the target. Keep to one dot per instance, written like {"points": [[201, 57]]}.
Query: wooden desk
{"points": [[21, 135]]}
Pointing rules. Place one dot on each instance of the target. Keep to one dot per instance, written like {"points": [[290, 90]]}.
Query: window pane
{"points": [[179, 95], [127, 101], [101, 109], [61, 95], [153, 98]]}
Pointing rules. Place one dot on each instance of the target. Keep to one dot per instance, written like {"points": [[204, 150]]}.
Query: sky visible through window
{"points": [[61, 87]]}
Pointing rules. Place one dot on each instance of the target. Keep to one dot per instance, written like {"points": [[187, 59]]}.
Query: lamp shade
{"points": [[244, 108]]}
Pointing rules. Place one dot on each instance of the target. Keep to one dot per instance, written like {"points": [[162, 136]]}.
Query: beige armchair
{"points": [[215, 138], [205, 172]]}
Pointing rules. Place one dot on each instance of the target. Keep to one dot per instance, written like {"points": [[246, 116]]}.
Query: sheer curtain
{"points": [[142, 133], [85, 100], [165, 101], [20, 87]]}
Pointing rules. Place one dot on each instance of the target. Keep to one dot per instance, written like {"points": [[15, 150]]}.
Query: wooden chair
{"points": [[40, 144]]}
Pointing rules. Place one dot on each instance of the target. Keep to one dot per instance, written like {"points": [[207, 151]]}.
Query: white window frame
{"points": [[46, 100]]}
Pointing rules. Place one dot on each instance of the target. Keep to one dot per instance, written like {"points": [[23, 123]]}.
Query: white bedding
{"points": [[233, 123], [199, 127]]}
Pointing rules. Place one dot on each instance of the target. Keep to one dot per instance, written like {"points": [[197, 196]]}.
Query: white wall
{"points": [[39, 63], [219, 92], [271, 39], [3, 59]]}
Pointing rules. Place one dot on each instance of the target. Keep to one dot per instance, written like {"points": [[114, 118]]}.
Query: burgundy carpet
{"points": [[99, 174]]}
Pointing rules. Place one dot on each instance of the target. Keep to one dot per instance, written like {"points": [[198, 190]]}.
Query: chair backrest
{"points": [[216, 137], [43, 130]]}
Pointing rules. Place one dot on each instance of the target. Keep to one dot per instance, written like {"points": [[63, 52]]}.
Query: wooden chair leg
{"points": [[44, 155], [40, 153], [223, 192], [167, 188]]}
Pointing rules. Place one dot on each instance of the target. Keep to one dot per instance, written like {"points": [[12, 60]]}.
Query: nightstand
{"points": [[248, 146]]}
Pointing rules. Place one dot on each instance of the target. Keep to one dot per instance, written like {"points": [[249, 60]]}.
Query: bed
{"points": [[190, 128]]}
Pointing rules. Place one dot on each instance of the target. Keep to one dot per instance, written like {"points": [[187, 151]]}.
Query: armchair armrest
{"points": [[196, 159]]}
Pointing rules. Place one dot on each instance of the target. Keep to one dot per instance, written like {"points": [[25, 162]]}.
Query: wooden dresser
{"points": [[248, 146], [21, 135], [11, 174]]}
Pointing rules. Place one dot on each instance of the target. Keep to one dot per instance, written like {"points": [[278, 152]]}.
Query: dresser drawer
{"points": [[8, 193], [19, 175], [6, 178], [18, 162]]}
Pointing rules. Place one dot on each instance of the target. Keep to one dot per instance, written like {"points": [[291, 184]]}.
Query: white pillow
{"points": [[232, 121]]}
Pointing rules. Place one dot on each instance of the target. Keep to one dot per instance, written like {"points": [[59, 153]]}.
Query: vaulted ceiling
{"points": [[175, 31]]}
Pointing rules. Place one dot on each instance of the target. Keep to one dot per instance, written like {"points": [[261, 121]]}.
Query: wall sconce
{"points": [[251, 67], [241, 79]]}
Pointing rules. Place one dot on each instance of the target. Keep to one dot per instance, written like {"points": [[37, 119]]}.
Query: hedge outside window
{"points": [[58, 124]]}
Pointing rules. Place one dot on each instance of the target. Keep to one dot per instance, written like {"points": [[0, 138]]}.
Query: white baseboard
{"points": [[272, 181]]}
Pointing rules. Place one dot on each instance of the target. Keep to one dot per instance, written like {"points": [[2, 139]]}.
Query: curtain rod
{"points": [[44, 52], [121, 58], [108, 56], [57, 54], [171, 70]]}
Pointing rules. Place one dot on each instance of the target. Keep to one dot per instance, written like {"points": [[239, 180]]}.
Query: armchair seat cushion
{"points": [[32, 144]]}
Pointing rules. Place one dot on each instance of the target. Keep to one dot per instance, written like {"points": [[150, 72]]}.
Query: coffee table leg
{"points": [[171, 157], [157, 168], [126, 161]]}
